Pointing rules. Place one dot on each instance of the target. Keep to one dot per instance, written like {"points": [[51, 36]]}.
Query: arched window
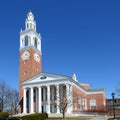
{"points": [[26, 41], [22, 44], [93, 104], [30, 25], [27, 25], [35, 43], [34, 27]]}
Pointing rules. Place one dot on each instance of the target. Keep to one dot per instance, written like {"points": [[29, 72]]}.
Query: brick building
{"points": [[45, 92], [109, 106]]}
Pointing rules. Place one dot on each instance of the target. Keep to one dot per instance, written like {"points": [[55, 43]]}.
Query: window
{"points": [[30, 25], [93, 105], [79, 102], [75, 106], [83, 103], [35, 43], [79, 106], [27, 25], [26, 41], [43, 77], [34, 27], [37, 69], [25, 72], [25, 62]]}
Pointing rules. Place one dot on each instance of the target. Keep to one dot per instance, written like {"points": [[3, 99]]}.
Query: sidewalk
{"points": [[100, 118]]}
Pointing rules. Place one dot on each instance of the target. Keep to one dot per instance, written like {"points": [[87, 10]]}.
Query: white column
{"points": [[44, 99], [58, 98], [24, 100], [39, 99], [36, 100], [52, 98], [31, 100], [48, 99]]}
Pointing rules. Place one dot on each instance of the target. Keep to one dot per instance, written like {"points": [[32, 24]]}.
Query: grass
{"points": [[118, 118], [71, 118]]}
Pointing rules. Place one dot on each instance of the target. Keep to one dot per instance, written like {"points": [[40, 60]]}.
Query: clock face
{"points": [[25, 55], [37, 57]]}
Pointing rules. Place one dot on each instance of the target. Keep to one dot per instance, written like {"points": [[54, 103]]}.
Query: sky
{"points": [[78, 36]]}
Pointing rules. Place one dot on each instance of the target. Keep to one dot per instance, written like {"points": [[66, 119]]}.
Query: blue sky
{"points": [[78, 36]]}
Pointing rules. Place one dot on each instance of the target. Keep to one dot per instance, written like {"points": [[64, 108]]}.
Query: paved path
{"points": [[100, 118]]}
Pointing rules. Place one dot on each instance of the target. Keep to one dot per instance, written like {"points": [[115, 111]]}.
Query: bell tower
{"points": [[30, 54]]}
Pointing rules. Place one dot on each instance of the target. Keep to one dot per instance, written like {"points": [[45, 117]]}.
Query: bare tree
{"points": [[13, 102], [4, 93], [1, 104], [8, 98], [65, 100]]}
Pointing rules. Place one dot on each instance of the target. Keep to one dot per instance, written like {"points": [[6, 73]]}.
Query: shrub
{"points": [[4, 114], [38, 116], [19, 117]]}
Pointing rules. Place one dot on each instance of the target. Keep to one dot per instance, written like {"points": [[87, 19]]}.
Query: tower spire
{"points": [[30, 22], [29, 37]]}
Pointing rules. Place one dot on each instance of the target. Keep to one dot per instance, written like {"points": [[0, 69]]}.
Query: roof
{"points": [[96, 90], [48, 77], [45, 77]]}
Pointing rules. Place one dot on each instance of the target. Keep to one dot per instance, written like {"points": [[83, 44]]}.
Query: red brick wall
{"points": [[100, 100], [76, 94], [32, 68], [99, 97], [86, 86]]}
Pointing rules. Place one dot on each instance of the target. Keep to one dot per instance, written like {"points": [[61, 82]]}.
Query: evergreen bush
{"points": [[38, 116], [4, 114]]}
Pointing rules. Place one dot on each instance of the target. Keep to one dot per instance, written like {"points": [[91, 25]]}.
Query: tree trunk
{"points": [[63, 114]]}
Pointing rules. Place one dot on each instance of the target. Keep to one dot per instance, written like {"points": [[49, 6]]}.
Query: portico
{"points": [[45, 97]]}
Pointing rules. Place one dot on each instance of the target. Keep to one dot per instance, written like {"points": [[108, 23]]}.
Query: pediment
{"points": [[42, 77]]}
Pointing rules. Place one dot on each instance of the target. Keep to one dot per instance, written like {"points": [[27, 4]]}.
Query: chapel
{"points": [[45, 92]]}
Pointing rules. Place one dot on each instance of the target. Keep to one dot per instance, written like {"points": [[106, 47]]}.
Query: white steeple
{"points": [[29, 37], [30, 23]]}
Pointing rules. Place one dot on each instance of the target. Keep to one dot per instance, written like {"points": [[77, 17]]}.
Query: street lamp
{"points": [[113, 97]]}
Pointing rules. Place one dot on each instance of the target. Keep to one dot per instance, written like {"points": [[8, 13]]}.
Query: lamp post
{"points": [[113, 97]]}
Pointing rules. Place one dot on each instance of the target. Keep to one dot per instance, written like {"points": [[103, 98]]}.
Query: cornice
{"points": [[30, 47], [64, 80], [30, 30]]}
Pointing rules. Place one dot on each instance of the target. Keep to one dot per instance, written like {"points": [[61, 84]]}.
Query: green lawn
{"points": [[71, 118], [118, 118]]}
